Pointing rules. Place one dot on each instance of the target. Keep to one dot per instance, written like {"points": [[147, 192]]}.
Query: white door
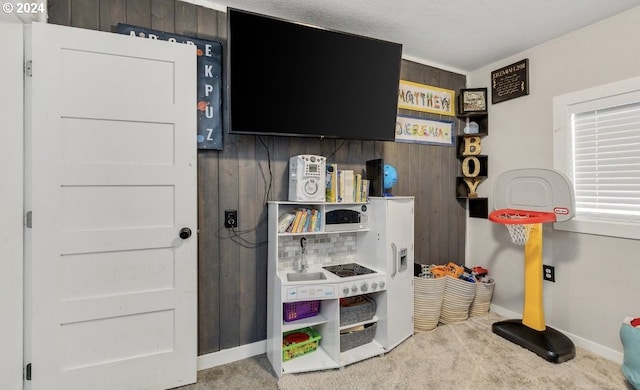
{"points": [[111, 181]]}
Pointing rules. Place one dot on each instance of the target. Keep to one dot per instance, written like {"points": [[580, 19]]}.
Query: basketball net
{"points": [[519, 233]]}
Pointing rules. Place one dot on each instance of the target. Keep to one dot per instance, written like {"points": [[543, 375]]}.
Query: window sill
{"points": [[600, 228]]}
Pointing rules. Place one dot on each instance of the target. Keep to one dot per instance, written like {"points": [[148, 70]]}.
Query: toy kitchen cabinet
{"points": [[330, 282]]}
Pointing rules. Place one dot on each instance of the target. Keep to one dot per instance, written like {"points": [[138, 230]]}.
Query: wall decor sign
{"points": [[472, 101], [209, 79], [428, 131], [510, 82], [420, 97]]}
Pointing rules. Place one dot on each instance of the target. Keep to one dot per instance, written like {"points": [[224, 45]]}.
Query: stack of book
{"points": [[343, 185], [301, 220]]}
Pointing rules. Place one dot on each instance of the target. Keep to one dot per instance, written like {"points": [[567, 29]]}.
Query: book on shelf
{"points": [[357, 191], [365, 190], [303, 220], [307, 223], [331, 195], [340, 189], [296, 222], [318, 226], [347, 185], [285, 221], [314, 221]]}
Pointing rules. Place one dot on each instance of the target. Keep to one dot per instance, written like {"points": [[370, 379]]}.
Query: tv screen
{"points": [[287, 78]]}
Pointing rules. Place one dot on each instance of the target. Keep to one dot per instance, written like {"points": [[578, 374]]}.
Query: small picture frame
{"points": [[472, 101]]}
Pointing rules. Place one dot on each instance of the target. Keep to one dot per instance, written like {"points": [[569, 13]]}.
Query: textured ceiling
{"points": [[459, 35]]}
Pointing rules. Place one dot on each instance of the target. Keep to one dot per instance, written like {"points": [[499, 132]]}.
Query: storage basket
{"points": [[355, 337], [298, 310], [427, 302], [356, 309], [458, 295], [482, 301], [299, 349]]}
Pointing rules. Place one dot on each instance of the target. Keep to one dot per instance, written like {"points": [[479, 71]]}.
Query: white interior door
{"points": [[111, 182]]}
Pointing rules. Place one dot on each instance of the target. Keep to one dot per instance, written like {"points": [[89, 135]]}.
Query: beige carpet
{"points": [[464, 355]]}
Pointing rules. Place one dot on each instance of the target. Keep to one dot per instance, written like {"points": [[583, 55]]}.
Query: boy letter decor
{"points": [[471, 164]]}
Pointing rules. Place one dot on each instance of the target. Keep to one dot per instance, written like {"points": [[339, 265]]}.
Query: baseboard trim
{"points": [[231, 355], [581, 342]]}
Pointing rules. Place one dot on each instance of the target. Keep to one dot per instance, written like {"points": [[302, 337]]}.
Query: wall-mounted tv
{"points": [[288, 78]]}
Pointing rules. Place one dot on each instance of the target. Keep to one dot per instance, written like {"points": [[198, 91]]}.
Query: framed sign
{"points": [[428, 131], [472, 101], [510, 82], [209, 81], [420, 97]]}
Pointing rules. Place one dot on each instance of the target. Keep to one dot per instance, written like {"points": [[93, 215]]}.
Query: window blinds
{"points": [[606, 163]]}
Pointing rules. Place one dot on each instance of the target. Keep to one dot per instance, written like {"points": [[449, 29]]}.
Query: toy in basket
{"points": [[299, 310], [299, 342]]}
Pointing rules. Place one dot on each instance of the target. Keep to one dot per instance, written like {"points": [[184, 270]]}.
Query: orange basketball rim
{"points": [[521, 217]]}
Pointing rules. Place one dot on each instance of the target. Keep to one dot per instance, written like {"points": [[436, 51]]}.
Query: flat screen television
{"points": [[287, 78]]}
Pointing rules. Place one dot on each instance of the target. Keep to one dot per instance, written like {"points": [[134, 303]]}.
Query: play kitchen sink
{"points": [[305, 276]]}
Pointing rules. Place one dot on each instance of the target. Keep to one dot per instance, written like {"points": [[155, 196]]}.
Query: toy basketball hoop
{"points": [[519, 222], [524, 199]]}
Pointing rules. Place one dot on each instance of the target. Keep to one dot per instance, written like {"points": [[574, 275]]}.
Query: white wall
{"points": [[11, 145], [597, 278]]}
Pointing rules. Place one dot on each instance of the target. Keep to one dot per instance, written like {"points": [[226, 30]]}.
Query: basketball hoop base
{"points": [[549, 344]]}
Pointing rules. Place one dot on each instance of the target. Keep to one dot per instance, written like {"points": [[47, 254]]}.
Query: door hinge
{"points": [[27, 372], [28, 68], [27, 219]]}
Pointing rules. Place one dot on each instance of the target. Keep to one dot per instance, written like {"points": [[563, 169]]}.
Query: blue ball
{"points": [[390, 176]]}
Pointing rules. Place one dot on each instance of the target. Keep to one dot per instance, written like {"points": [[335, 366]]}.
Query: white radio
{"points": [[307, 178]]}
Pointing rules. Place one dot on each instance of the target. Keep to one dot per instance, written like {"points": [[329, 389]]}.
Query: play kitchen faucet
{"points": [[302, 265]]}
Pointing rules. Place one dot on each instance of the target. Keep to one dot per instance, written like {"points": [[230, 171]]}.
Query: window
{"points": [[597, 145]]}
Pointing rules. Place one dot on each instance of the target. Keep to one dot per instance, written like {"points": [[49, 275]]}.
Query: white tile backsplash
{"points": [[321, 250]]}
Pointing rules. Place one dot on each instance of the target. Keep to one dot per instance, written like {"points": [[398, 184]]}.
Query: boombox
{"points": [[307, 178]]}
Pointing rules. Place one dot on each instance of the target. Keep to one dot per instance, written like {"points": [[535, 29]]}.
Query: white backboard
{"points": [[535, 190]]}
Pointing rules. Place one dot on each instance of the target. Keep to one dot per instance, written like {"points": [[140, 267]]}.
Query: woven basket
{"points": [[458, 295], [482, 301], [356, 309], [352, 339], [427, 302]]}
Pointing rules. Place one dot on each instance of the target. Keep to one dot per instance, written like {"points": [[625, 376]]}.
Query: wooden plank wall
{"points": [[251, 170]]}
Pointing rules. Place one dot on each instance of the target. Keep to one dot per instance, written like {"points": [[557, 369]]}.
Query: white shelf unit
{"points": [[327, 322]]}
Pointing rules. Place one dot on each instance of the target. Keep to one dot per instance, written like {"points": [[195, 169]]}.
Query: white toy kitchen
{"points": [[340, 286]]}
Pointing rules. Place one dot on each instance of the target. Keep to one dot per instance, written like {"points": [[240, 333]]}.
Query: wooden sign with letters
{"points": [[510, 82]]}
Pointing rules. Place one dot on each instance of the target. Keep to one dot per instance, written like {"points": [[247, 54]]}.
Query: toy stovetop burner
{"points": [[524, 199]]}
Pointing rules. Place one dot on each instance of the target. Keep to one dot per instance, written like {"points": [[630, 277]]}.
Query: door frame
{"points": [[12, 206]]}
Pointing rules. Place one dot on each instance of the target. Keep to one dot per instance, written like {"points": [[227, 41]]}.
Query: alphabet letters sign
{"points": [[209, 78]]}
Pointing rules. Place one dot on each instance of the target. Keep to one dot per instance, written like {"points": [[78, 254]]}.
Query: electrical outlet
{"points": [[549, 273], [231, 219]]}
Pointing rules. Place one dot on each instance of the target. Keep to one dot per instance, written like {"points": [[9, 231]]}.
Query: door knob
{"points": [[185, 233]]}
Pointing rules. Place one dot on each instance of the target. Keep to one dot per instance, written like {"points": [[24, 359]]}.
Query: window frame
{"points": [[616, 93]]}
